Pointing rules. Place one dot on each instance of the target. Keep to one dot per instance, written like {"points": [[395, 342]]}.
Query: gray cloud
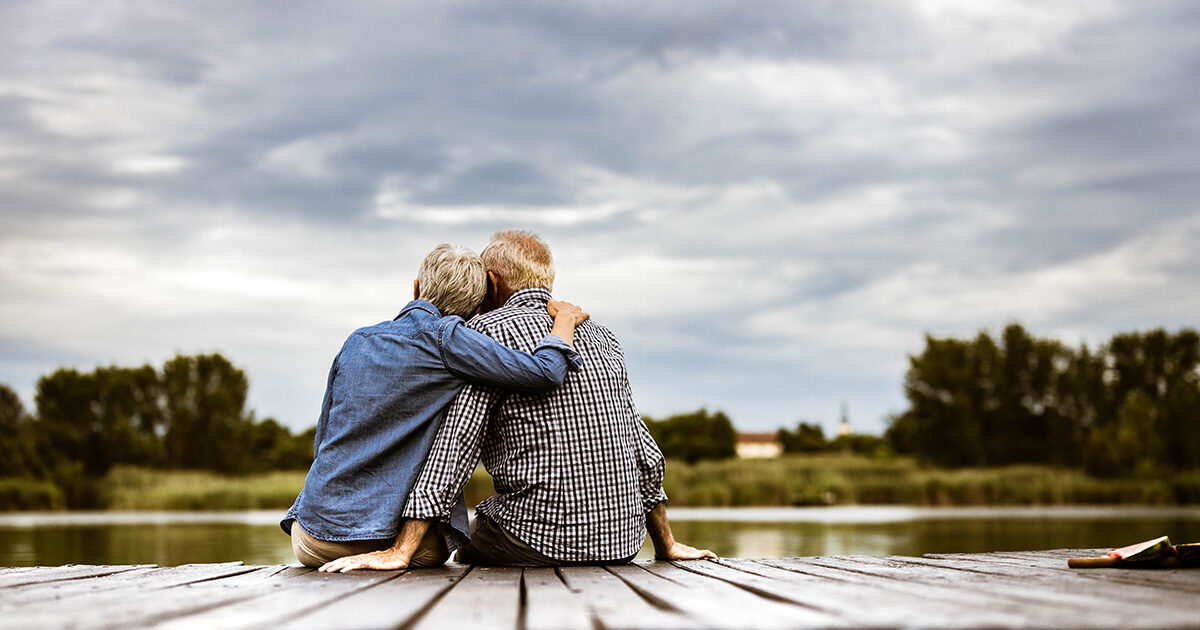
{"points": [[770, 203]]}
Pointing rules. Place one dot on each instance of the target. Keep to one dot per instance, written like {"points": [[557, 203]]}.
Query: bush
{"points": [[29, 494], [127, 488], [850, 479]]}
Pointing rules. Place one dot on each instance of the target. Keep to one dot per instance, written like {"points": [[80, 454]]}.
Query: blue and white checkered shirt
{"points": [[575, 469]]}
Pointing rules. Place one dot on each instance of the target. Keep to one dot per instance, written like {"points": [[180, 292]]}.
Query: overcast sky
{"points": [[769, 203]]}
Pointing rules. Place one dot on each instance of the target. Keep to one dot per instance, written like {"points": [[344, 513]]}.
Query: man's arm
{"points": [[452, 459], [651, 466], [665, 545]]}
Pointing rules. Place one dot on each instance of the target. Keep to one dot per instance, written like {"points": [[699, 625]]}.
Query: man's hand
{"points": [[680, 551], [558, 308], [386, 560]]}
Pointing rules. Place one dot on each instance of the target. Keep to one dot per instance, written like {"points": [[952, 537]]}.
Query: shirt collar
{"points": [[535, 297], [424, 305]]}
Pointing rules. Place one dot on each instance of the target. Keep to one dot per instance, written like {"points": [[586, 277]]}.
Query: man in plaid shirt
{"points": [[578, 475]]}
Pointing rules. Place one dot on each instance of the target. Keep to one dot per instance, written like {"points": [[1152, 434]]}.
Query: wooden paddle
{"points": [[1152, 554], [1109, 562]]}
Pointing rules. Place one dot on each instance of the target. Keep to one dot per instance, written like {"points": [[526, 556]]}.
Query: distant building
{"points": [[844, 427], [758, 445]]}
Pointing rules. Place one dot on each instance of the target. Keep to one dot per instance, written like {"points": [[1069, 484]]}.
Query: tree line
{"points": [[1130, 407], [190, 414], [702, 434]]}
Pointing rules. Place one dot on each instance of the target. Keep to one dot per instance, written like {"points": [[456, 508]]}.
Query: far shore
{"points": [[836, 480], [832, 515]]}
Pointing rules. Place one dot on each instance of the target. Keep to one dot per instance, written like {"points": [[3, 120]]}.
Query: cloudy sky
{"points": [[770, 203]]}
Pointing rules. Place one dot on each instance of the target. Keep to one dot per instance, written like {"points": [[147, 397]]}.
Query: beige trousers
{"points": [[314, 552]]}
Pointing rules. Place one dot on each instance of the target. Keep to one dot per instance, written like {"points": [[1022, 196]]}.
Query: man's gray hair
{"points": [[522, 258], [454, 279]]}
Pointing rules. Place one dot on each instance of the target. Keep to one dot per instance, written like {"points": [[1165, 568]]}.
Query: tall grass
{"points": [[848, 479], [799, 480], [141, 489]]}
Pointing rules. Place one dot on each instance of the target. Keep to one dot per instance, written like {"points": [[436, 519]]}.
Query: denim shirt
{"points": [[388, 391]]}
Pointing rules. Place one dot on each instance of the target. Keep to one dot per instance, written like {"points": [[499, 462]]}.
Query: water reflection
{"points": [[253, 537], [956, 535]]}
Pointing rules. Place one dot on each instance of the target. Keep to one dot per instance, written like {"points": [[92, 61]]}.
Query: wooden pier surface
{"points": [[1009, 590]]}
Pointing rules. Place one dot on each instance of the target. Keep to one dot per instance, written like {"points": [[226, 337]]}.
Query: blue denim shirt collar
{"points": [[424, 305]]}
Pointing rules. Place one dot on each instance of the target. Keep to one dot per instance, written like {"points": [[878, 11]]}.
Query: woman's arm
{"points": [[478, 358]]}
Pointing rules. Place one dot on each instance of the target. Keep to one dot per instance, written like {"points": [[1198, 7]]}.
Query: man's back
{"points": [[575, 468]]}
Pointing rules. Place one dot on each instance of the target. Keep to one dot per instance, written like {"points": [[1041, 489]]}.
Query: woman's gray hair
{"points": [[522, 258], [454, 279]]}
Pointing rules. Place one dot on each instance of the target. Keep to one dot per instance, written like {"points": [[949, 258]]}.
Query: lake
{"points": [[172, 538]]}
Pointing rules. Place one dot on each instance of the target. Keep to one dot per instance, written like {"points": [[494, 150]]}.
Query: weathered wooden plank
{"points": [[1082, 607], [889, 607], [121, 610], [1012, 589], [1180, 580], [613, 604], [39, 575], [549, 604], [485, 598], [388, 604], [61, 592], [1063, 585], [280, 599], [1143, 586], [715, 604]]}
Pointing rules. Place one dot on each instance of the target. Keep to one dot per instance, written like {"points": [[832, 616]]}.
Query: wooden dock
{"points": [[995, 590]]}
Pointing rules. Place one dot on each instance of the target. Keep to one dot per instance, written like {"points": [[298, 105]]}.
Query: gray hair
{"points": [[522, 258], [454, 279]]}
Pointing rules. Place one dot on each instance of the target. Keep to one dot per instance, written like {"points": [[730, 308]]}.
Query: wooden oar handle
{"points": [[1103, 562], [1107, 562]]}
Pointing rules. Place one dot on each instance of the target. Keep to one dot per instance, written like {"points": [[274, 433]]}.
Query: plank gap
{"points": [[522, 601], [651, 598], [416, 618], [753, 589], [216, 577], [792, 569]]}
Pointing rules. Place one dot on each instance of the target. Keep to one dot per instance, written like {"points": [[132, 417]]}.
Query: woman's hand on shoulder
{"points": [[559, 309]]}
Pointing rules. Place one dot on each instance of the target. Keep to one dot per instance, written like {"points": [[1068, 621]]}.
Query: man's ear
{"points": [[491, 296], [416, 289]]}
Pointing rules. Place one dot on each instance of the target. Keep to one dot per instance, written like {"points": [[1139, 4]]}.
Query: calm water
{"points": [[171, 538]]}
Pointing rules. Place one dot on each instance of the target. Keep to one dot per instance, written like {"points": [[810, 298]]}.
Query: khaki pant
{"points": [[314, 552]]}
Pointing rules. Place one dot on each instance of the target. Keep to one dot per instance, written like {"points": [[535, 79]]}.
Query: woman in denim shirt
{"points": [[387, 393]]}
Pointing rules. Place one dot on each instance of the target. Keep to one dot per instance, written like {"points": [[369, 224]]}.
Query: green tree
{"points": [[695, 436], [943, 419], [807, 438], [204, 401], [18, 453], [273, 447], [99, 419], [1130, 407], [861, 444]]}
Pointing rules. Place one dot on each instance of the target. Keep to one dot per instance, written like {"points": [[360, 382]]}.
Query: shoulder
{"points": [[595, 328], [507, 318]]}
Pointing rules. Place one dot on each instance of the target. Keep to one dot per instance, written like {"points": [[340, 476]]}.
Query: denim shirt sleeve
{"points": [[478, 358]]}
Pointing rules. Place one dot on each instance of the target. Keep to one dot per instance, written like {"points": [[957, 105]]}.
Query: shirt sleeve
{"points": [[650, 461], [453, 456], [478, 358]]}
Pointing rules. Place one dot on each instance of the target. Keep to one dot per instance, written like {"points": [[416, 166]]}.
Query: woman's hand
{"points": [[386, 560], [570, 312]]}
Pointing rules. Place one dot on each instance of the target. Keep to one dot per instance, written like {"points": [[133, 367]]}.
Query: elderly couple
{"points": [[529, 384]]}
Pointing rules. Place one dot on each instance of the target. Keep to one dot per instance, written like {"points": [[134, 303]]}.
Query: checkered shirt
{"points": [[575, 469]]}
